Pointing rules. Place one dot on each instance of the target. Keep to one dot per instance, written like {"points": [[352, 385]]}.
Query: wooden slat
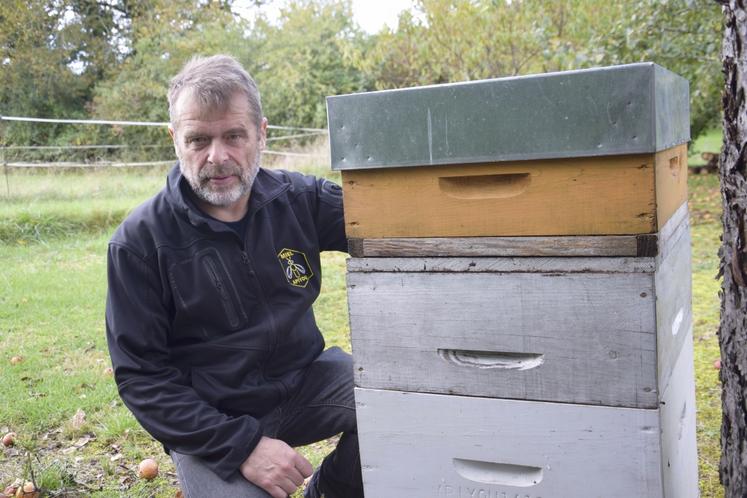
{"points": [[643, 245], [593, 333], [425, 446], [620, 245], [502, 265]]}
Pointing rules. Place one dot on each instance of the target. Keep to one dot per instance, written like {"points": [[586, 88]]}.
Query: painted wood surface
{"points": [[594, 330], [672, 231], [646, 245], [570, 337], [433, 446], [678, 430], [673, 287], [613, 195], [671, 182]]}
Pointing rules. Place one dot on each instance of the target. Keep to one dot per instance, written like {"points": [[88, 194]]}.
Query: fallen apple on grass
{"points": [[9, 439], [28, 490], [148, 469]]}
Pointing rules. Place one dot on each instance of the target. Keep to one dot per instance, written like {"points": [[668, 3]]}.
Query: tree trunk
{"points": [[733, 327]]}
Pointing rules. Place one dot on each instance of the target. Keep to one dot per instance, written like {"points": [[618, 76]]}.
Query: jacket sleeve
{"points": [[330, 222], [157, 393]]}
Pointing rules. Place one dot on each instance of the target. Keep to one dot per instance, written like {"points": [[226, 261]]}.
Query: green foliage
{"points": [[35, 78], [166, 37], [114, 59], [304, 57], [447, 40], [296, 62], [682, 35]]}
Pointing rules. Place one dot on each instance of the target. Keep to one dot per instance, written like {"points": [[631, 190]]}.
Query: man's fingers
{"points": [[303, 465], [277, 492], [276, 467], [295, 476], [288, 486]]}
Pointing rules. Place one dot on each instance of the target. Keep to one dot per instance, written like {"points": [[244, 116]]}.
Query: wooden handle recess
{"points": [[496, 186], [492, 359], [501, 474]]}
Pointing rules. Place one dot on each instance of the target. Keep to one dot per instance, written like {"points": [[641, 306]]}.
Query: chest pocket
{"points": [[206, 295]]}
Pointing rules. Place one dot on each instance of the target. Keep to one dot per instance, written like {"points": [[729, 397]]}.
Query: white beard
{"points": [[222, 197]]}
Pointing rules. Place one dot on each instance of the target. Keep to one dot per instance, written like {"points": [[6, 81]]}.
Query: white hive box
{"points": [[429, 445], [603, 331]]}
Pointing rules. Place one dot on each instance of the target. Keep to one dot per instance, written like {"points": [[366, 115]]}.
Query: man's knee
{"points": [[197, 480]]}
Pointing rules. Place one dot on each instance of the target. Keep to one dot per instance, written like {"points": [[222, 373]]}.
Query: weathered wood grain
{"points": [[673, 287], [678, 437], [645, 245], [502, 265], [594, 332], [607, 330], [425, 445], [613, 245]]}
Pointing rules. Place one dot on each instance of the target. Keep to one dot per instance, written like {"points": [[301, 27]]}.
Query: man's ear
{"points": [[172, 134], [263, 134]]}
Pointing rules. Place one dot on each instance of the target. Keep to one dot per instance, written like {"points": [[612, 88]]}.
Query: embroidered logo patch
{"points": [[296, 267]]}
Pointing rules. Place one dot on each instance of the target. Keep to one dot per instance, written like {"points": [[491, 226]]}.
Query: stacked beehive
{"points": [[519, 291]]}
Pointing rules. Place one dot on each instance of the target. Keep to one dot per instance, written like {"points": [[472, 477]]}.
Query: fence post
{"points": [[2, 156]]}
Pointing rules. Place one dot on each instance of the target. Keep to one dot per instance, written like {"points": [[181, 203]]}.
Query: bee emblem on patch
{"points": [[296, 267]]}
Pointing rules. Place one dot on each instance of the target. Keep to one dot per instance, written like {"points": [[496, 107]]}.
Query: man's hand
{"points": [[276, 467]]}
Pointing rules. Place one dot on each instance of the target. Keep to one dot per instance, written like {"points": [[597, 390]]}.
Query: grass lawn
{"points": [[74, 433]]}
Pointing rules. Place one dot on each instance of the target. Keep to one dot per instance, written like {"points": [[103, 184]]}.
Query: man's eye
{"points": [[197, 141], [234, 137]]}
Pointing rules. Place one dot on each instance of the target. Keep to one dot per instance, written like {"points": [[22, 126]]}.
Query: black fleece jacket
{"points": [[208, 332]]}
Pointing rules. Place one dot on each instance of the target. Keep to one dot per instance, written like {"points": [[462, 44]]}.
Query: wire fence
{"points": [[111, 155]]}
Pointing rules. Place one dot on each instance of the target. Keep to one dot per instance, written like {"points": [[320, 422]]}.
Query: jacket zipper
{"points": [[273, 334], [225, 298]]}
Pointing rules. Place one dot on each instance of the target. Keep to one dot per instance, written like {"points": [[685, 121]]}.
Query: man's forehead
{"points": [[191, 110]]}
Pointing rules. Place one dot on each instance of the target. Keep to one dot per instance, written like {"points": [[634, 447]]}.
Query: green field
{"points": [[54, 229]]}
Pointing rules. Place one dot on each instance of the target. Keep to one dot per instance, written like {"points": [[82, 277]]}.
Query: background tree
{"points": [[682, 35], [447, 40], [733, 327], [37, 48], [302, 57], [163, 39], [113, 59]]}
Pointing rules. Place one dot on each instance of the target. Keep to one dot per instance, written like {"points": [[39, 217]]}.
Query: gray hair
{"points": [[214, 80]]}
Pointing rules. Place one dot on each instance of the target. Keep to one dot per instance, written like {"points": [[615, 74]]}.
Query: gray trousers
{"points": [[321, 408]]}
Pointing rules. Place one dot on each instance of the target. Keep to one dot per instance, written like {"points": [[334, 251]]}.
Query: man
{"points": [[209, 311]]}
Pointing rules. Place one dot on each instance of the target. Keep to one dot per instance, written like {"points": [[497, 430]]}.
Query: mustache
{"points": [[211, 171]]}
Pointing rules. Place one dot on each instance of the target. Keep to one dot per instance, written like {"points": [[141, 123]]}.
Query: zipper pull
{"points": [[245, 261]]}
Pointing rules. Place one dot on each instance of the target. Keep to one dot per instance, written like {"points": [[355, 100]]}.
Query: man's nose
{"points": [[218, 153]]}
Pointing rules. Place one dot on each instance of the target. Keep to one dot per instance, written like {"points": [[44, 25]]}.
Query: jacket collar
{"points": [[266, 187]]}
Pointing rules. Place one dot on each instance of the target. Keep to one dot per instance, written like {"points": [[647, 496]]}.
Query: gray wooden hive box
{"points": [[519, 292]]}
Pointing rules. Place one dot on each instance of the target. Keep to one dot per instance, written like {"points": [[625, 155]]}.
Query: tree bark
{"points": [[733, 253]]}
